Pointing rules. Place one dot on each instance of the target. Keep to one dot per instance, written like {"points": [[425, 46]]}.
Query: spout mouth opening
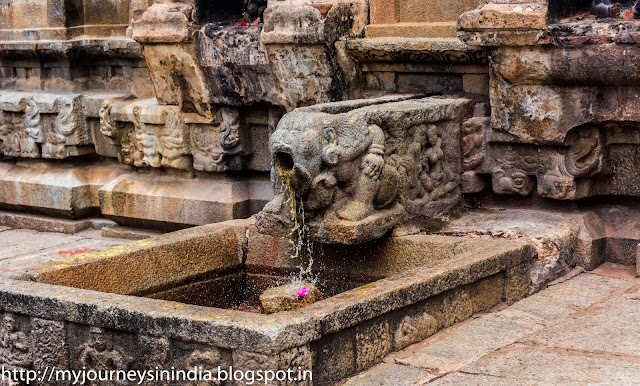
{"points": [[283, 162]]}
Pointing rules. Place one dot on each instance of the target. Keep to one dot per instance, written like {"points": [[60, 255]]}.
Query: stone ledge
{"points": [[171, 202], [120, 45], [412, 30], [59, 188], [51, 224], [423, 50]]}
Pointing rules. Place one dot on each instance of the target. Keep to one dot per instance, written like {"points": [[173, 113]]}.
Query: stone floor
{"points": [[22, 248], [583, 329]]}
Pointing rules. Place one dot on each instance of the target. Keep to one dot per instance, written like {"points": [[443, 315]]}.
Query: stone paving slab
{"points": [[582, 330], [21, 248], [466, 342], [549, 365], [12, 220], [2, 229], [594, 330], [388, 374], [20, 242], [17, 266], [480, 380], [560, 301]]}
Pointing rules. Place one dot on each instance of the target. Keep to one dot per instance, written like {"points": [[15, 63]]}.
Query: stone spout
{"points": [[359, 168]]}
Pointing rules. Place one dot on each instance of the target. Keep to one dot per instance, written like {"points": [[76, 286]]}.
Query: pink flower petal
{"points": [[303, 291]]}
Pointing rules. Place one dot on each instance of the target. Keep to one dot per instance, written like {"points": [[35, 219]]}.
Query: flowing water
{"points": [[300, 243]]}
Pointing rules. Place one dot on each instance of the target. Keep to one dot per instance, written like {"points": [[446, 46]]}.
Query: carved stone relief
{"points": [[48, 341], [372, 165], [99, 353], [563, 172], [43, 125], [205, 360], [147, 134], [219, 146], [14, 343]]}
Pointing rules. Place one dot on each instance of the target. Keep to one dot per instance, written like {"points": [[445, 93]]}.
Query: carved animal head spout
{"points": [[355, 168]]}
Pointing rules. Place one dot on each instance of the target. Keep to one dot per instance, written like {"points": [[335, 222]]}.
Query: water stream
{"points": [[298, 235]]}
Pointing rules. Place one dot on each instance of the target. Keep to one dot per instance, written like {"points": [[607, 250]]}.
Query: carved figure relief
{"points": [[514, 181], [512, 169], [43, 125], [4, 130], [214, 146], [14, 344], [172, 143], [108, 126], [206, 155], [205, 360], [99, 354], [148, 142], [473, 152], [556, 182], [155, 349], [29, 144], [155, 137], [557, 168], [584, 157]]}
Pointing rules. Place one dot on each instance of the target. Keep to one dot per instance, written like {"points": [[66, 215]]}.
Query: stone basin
{"points": [[380, 297]]}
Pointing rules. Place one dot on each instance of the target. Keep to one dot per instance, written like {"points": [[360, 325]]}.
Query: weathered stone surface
{"points": [[17, 242], [373, 341], [387, 374], [417, 326], [350, 331], [18, 265], [442, 29], [453, 348], [415, 50], [61, 189], [179, 253], [596, 333], [497, 24], [306, 57], [553, 236], [459, 378], [163, 23], [549, 366], [289, 297], [415, 18], [560, 301], [358, 172], [374, 260], [51, 224], [168, 201], [567, 328]]}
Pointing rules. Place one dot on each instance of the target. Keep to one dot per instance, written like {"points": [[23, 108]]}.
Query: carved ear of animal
{"points": [[330, 152], [330, 137]]}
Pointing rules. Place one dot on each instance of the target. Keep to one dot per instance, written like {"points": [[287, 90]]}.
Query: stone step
{"points": [[170, 202], [147, 200], [413, 30]]}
